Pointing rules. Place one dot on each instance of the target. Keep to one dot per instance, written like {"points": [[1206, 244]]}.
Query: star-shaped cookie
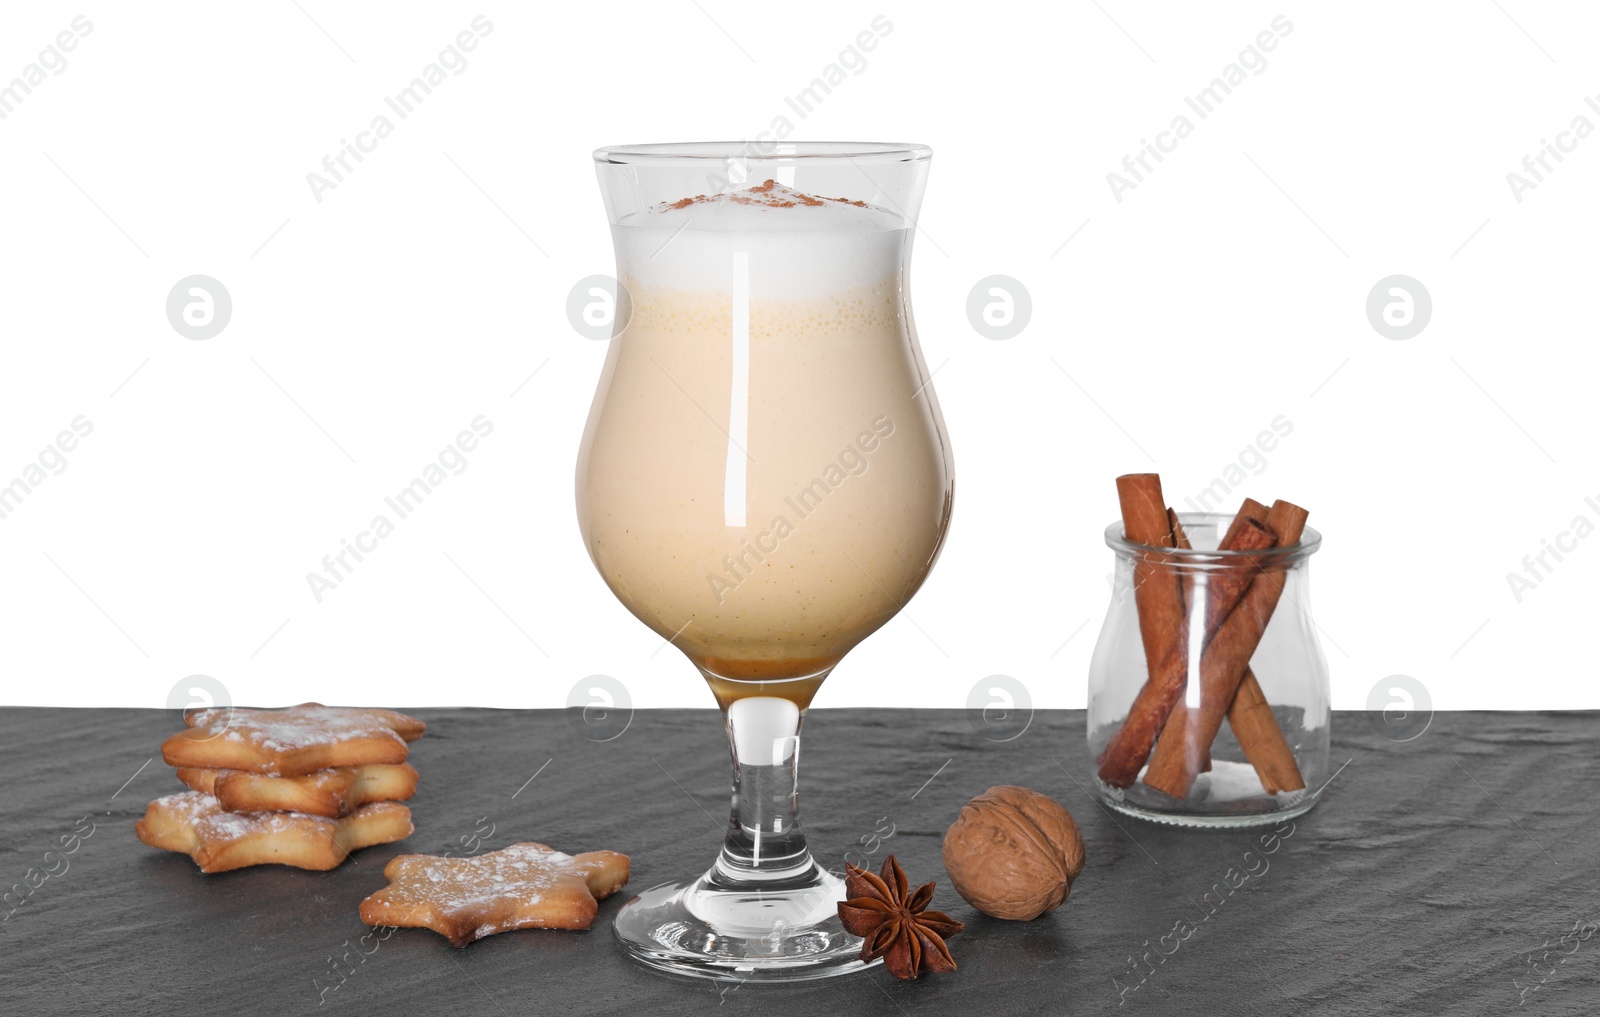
{"points": [[194, 823], [291, 741], [524, 886], [332, 793]]}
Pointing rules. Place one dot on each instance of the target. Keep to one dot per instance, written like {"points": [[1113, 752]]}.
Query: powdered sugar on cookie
{"points": [[524, 886], [292, 741], [194, 823]]}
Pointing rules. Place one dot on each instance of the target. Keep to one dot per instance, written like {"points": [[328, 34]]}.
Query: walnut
{"points": [[1013, 853]]}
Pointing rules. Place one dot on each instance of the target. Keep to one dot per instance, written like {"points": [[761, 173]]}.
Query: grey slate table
{"points": [[1437, 875]]}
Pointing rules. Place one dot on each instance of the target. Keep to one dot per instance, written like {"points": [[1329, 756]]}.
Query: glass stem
{"points": [[765, 848]]}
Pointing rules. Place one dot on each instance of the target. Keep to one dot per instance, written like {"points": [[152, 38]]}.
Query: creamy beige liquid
{"points": [[844, 482]]}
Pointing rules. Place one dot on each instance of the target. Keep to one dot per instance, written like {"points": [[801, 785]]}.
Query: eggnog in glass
{"points": [[764, 481]]}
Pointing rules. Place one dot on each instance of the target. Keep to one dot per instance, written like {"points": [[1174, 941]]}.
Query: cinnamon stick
{"points": [[1162, 624], [1186, 735], [1180, 540], [1224, 586], [1155, 585], [1163, 618], [1256, 728]]}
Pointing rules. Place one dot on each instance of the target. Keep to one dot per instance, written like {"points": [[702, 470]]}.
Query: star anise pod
{"points": [[895, 922]]}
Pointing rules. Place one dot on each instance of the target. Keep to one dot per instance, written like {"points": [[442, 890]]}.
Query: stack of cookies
{"points": [[303, 786]]}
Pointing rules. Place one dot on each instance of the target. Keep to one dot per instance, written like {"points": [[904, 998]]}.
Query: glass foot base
{"points": [[741, 935]]}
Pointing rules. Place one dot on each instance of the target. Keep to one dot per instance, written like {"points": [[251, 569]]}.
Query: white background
{"points": [[369, 328]]}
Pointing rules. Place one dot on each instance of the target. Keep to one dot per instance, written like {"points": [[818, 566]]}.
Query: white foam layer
{"points": [[769, 207], [798, 245]]}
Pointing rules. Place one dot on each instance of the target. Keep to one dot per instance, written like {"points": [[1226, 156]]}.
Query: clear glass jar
{"points": [[1246, 743]]}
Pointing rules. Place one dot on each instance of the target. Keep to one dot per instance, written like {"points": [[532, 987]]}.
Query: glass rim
{"points": [[770, 152], [1310, 542]]}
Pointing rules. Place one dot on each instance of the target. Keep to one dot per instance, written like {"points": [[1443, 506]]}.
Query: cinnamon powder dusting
{"points": [[763, 194]]}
